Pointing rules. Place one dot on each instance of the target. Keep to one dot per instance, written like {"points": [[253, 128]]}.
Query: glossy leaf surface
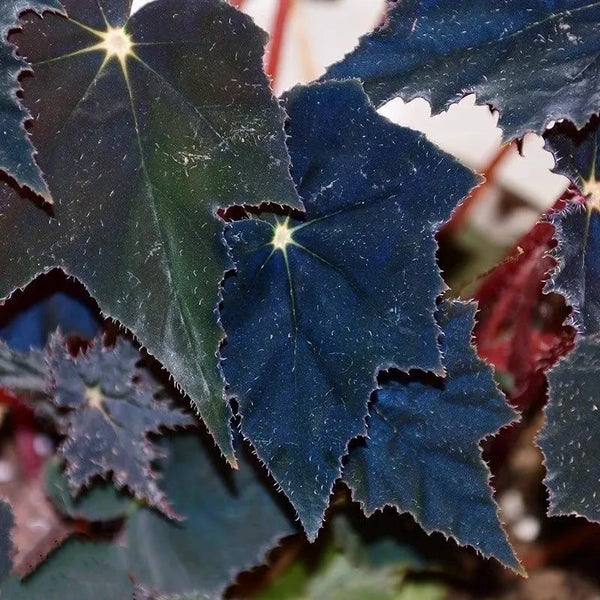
{"points": [[569, 439], [108, 418], [422, 453], [231, 520], [144, 125], [577, 276], [16, 149], [535, 61], [319, 305]]}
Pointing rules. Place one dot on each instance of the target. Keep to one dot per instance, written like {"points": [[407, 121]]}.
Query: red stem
{"points": [[276, 43]]}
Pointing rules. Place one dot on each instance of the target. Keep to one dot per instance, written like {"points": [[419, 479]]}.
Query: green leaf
{"points": [[318, 306], [6, 546], [82, 570], [569, 439], [108, 417], [231, 520], [139, 149], [577, 275], [22, 372], [422, 453], [101, 502], [534, 61], [16, 149]]}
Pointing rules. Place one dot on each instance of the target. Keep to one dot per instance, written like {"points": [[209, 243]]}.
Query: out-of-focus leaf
{"points": [[535, 61], [319, 305], [231, 520], [422, 454], [569, 439], [352, 565], [81, 570], [108, 418], [6, 547], [32, 327], [16, 149], [144, 126], [577, 276], [22, 372], [102, 502]]}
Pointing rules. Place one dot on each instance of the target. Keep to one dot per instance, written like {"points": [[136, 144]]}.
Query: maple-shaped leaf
{"points": [[569, 439], [319, 305], [16, 149], [22, 372], [6, 547], [82, 570], [534, 61], [422, 453], [108, 417], [231, 520], [144, 126], [577, 276]]}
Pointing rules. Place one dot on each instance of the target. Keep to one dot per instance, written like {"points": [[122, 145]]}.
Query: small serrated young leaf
{"points": [[6, 546], [577, 276], [21, 372], [422, 454], [82, 570], [16, 149], [440, 50], [101, 502], [569, 439], [144, 126], [108, 417], [231, 520], [318, 306]]}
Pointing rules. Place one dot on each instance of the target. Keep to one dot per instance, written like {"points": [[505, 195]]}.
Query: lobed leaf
{"points": [[144, 126], [231, 520], [569, 438], [82, 570], [16, 149], [108, 417], [535, 61], [422, 453], [317, 306], [577, 276]]}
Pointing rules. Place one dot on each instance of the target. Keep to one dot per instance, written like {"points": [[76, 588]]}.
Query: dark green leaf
{"points": [[310, 322], [569, 439], [577, 275], [231, 520], [22, 372], [102, 502], [535, 61], [422, 454], [139, 151], [6, 547], [108, 418], [16, 150], [85, 571]]}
